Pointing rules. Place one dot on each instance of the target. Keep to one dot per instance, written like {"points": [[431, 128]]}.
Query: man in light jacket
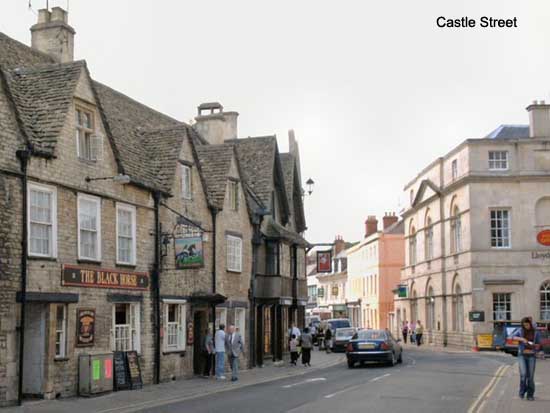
{"points": [[219, 345], [234, 347]]}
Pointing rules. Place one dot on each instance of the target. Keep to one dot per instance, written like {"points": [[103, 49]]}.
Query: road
{"points": [[425, 382]]}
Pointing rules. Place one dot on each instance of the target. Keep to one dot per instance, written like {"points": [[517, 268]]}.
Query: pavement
{"points": [[503, 396], [174, 391]]}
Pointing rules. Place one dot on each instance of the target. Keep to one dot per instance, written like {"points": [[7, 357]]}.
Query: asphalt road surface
{"points": [[425, 382]]}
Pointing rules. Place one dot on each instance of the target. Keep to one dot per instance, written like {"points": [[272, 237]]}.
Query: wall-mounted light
{"points": [[119, 179], [309, 184]]}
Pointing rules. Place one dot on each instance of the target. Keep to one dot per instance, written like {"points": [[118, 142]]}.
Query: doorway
{"points": [[199, 326], [34, 356]]}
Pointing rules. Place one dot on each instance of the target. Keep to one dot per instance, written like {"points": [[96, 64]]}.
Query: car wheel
{"points": [[393, 360], [351, 364], [400, 359]]}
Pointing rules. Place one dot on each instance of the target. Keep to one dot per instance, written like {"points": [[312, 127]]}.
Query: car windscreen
{"points": [[345, 332], [339, 324], [372, 335]]}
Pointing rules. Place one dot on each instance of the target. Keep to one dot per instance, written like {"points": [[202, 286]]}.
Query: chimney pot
{"points": [[59, 15], [218, 125], [44, 16], [371, 225], [539, 119], [389, 220], [53, 35]]}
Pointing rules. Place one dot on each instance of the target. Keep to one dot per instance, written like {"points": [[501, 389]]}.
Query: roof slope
{"points": [[509, 132], [293, 189], [15, 54], [42, 96], [215, 164]]}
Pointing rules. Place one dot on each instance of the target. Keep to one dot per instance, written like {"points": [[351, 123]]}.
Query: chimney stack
{"points": [[371, 225], [339, 245], [215, 125], [53, 35], [389, 219], [539, 119]]}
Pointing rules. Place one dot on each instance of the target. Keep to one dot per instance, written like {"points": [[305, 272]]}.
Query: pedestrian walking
{"points": [[307, 344], [209, 352], [418, 331], [405, 331], [293, 346], [295, 330], [328, 339], [412, 332], [234, 346], [528, 339], [219, 347]]}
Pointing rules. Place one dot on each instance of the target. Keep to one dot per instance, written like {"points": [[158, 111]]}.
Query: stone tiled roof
{"points": [[288, 163], [215, 164], [261, 167], [274, 230], [42, 96], [16, 54]]}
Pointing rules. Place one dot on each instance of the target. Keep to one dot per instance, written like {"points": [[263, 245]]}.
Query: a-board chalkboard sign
{"points": [[134, 369], [122, 375]]}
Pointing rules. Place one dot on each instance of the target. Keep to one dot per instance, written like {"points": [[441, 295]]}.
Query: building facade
{"points": [[474, 234], [124, 229], [374, 268]]}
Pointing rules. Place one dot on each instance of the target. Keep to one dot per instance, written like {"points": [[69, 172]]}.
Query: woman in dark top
{"points": [[528, 339], [328, 339], [307, 344]]}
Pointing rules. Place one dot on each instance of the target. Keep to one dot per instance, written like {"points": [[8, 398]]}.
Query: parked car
{"points": [[374, 346], [342, 338], [511, 346], [335, 323]]}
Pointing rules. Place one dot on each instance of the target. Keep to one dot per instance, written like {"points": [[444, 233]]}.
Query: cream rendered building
{"points": [[471, 234]]}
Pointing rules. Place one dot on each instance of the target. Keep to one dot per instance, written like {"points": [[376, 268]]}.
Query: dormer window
{"points": [[89, 145], [234, 195], [186, 182]]}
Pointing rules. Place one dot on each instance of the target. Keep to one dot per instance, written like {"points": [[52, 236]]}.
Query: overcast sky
{"points": [[374, 89]]}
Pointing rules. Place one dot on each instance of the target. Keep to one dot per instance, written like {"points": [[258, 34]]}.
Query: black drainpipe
{"points": [[156, 284], [214, 213], [23, 156]]}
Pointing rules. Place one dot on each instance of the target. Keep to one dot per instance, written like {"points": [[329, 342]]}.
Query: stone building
{"points": [[374, 269], [125, 229], [474, 235]]}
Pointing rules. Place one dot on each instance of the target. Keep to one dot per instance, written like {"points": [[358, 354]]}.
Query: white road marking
{"points": [[330, 396], [288, 386], [379, 377]]}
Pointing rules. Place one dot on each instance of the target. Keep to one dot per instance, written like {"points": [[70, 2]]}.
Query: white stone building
{"points": [[471, 234]]}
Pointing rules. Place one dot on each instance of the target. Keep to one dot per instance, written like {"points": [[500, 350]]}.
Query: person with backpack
{"points": [[528, 339]]}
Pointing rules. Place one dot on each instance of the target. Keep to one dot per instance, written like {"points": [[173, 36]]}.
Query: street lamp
{"points": [[309, 184], [119, 179]]}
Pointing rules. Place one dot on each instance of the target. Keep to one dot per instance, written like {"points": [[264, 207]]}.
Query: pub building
{"points": [[138, 232]]}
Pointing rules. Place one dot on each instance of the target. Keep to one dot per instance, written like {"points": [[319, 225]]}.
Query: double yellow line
{"points": [[477, 405]]}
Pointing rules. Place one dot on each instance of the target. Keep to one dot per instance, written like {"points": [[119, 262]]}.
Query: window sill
{"points": [[234, 271], [182, 353], [123, 265], [88, 261], [61, 359], [40, 258]]}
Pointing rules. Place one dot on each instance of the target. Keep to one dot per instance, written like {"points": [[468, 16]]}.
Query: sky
{"points": [[374, 90]]}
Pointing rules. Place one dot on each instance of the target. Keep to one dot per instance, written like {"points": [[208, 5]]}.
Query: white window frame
{"points": [[132, 210], [509, 235], [237, 243], [223, 317], [134, 327], [186, 186], [96, 200], [181, 325], [506, 301], [53, 242], [62, 333], [95, 139], [495, 161], [240, 321]]}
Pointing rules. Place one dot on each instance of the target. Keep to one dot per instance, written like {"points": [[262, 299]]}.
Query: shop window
{"points": [[267, 330], [42, 220], [234, 253], [60, 330], [221, 316], [502, 306], [175, 322], [126, 327], [89, 227], [545, 301], [126, 234]]}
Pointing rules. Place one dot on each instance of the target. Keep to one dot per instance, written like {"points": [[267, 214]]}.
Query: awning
{"points": [[207, 298], [40, 297]]}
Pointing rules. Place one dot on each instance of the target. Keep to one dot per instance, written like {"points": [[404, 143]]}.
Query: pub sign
{"points": [[324, 261], [85, 332], [102, 278], [189, 252]]}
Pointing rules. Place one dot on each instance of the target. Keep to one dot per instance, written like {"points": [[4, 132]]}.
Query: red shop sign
{"points": [[543, 237]]}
